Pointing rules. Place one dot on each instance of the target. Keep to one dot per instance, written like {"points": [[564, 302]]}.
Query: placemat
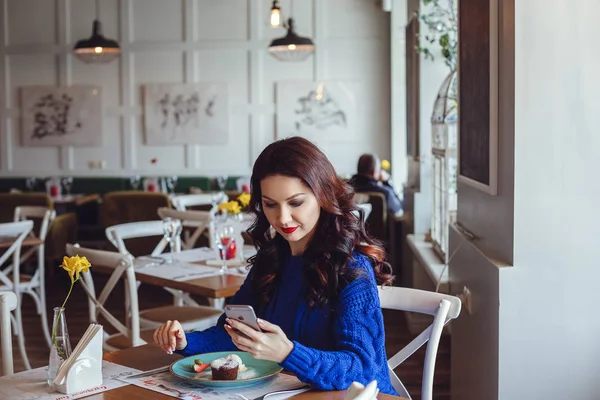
{"points": [[32, 384]]}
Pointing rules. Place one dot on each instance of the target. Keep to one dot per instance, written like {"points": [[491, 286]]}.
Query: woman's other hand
{"points": [[170, 337], [271, 344]]}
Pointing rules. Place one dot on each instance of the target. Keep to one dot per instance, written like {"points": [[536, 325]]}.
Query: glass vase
{"points": [[61, 345]]}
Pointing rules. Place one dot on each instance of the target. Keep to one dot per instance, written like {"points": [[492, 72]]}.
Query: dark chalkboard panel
{"points": [[478, 76]]}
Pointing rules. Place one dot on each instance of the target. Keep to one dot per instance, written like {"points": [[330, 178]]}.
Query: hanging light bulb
{"points": [[97, 48], [291, 47], [275, 18]]}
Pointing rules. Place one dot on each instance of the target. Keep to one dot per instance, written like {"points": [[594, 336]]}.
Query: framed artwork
{"points": [[478, 94], [412, 89], [61, 116], [190, 113], [321, 111]]}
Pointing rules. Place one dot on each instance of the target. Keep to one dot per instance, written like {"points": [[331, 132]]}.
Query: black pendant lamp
{"points": [[97, 49], [291, 47]]}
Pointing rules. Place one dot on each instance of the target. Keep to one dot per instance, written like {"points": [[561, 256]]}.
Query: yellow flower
{"points": [[385, 164], [75, 265], [232, 207], [244, 199]]}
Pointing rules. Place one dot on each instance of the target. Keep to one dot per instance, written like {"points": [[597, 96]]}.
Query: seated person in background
{"points": [[313, 283], [371, 178]]}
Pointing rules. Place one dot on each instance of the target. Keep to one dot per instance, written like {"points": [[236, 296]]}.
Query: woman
{"points": [[313, 281]]}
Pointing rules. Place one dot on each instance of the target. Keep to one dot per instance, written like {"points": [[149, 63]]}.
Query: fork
{"points": [[182, 395], [264, 396]]}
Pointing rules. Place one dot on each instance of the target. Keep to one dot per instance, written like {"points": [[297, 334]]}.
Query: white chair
{"points": [[18, 231], [193, 316], [365, 210], [128, 334], [8, 302], [35, 285], [442, 307], [200, 220], [117, 234], [182, 202]]}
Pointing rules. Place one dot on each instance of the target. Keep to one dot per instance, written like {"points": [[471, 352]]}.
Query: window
{"points": [[444, 165]]}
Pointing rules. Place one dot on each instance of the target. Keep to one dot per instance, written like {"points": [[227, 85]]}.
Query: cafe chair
{"points": [[442, 307], [35, 285], [8, 302], [363, 210], [129, 333], [10, 277], [185, 201], [184, 309], [197, 220], [117, 234]]}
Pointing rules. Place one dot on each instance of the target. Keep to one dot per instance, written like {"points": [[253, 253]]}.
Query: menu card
{"points": [[32, 384]]}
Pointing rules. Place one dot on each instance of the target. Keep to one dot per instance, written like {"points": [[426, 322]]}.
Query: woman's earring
{"points": [[272, 232]]}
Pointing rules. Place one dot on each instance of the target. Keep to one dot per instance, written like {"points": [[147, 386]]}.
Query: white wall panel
{"points": [[158, 20], [98, 74], [35, 69], [189, 41], [156, 67], [210, 69], [28, 159], [352, 19], [109, 152], [286, 71], [169, 158], [222, 20], [41, 21], [228, 159]]}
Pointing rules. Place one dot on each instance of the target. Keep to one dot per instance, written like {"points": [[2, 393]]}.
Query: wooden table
{"points": [[67, 203], [6, 242], [214, 287], [150, 356]]}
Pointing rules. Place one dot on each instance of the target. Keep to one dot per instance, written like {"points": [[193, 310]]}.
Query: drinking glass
{"points": [[67, 183], [135, 181], [223, 239], [221, 182], [171, 183], [30, 183], [171, 229]]}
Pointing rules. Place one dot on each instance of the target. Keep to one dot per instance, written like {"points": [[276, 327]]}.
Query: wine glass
{"points": [[67, 183], [171, 230], [135, 181], [221, 182], [223, 239], [171, 183], [30, 183]]}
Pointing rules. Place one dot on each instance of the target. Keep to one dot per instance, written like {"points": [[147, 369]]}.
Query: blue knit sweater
{"points": [[333, 346]]}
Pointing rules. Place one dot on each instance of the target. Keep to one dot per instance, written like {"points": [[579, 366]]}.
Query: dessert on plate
{"points": [[227, 368]]}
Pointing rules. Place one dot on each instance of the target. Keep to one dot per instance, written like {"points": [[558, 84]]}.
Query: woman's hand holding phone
{"points": [[170, 337], [270, 344]]}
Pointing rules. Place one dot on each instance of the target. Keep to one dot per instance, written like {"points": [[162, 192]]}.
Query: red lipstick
{"points": [[289, 230]]}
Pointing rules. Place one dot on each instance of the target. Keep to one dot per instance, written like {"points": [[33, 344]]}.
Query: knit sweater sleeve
{"points": [[359, 353], [216, 338]]}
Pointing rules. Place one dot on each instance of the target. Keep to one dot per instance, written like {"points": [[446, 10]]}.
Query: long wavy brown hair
{"points": [[339, 233]]}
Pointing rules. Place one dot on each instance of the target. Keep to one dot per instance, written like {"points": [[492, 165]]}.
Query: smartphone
{"points": [[244, 314]]}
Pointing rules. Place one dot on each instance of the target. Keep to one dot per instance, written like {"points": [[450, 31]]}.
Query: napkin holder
{"points": [[86, 371], [357, 391]]}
